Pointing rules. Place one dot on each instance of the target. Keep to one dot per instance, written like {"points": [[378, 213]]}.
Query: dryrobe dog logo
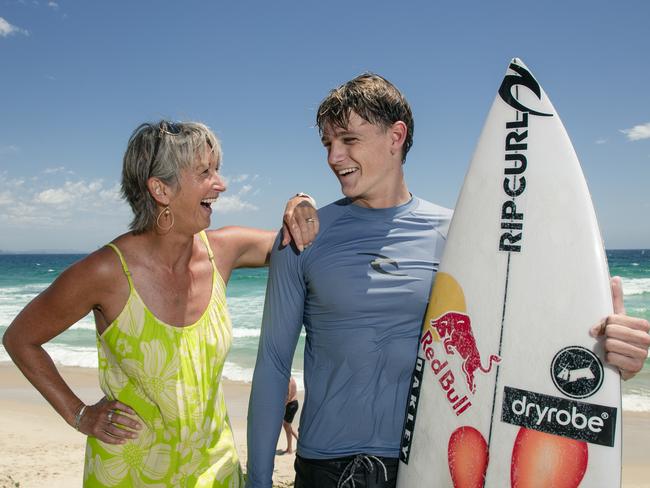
{"points": [[588, 422], [577, 372], [523, 78], [381, 261]]}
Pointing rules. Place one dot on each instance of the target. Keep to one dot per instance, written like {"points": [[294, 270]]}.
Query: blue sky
{"points": [[78, 77]]}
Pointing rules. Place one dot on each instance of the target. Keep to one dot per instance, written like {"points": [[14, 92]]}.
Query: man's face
{"points": [[363, 158]]}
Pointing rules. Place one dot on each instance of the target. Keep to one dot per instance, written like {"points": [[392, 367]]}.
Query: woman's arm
{"points": [[79, 289], [237, 247]]}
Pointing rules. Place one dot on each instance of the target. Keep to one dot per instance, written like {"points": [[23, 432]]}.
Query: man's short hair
{"points": [[371, 97]]}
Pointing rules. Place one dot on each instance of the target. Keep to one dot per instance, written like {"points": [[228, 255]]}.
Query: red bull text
{"points": [[455, 330]]}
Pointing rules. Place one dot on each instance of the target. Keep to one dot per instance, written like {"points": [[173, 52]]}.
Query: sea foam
{"points": [[635, 286]]}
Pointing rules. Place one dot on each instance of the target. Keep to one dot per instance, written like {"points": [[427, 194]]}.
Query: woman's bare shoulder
{"points": [[101, 266]]}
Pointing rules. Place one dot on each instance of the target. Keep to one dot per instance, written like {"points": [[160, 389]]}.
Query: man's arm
{"points": [[281, 324]]}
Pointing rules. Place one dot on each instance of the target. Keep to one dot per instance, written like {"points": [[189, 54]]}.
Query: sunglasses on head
{"points": [[164, 127], [170, 128]]}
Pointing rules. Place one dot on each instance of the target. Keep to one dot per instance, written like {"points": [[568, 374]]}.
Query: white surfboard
{"points": [[509, 388]]}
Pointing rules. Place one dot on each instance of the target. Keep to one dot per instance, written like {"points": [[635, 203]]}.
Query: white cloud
{"points": [[10, 149], [77, 202], [601, 141], [71, 192], [53, 5], [7, 183], [233, 204], [58, 169], [229, 202], [238, 178], [6, 198], [111, 195], [41, 203], [6, 29], [54, 196], [637, 132]]}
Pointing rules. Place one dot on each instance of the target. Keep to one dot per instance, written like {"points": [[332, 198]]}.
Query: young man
{"points": [[361, 291]]}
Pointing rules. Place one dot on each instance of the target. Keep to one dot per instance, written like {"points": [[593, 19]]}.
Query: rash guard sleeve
{"points": [[281, 325]]}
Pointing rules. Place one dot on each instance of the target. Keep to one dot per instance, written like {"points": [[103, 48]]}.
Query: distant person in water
{"points": [[163, 330], [290, 408]]}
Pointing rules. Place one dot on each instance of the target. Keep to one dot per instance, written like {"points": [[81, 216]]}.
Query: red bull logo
{"points": [[449, 344], [455, 330], [444, 375]]}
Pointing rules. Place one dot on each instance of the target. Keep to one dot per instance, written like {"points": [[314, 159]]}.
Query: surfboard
{"points": [[509, 388]]}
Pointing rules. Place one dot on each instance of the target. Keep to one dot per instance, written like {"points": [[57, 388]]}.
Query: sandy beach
{"points": [[39, 449]]}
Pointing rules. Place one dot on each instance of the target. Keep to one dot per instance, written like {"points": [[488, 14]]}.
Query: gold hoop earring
{"points": [[168, 214]]}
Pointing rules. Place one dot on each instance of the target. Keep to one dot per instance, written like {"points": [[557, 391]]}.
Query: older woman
{"points": [[163, 332]]}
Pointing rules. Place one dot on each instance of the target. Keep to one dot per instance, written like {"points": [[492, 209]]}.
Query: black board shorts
{"points": [[290, 411], [360, 471]]}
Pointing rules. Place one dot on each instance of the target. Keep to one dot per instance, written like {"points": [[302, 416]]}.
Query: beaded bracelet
{"points": [[78, 415]]}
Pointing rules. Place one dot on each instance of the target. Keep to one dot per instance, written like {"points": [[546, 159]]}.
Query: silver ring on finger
{"points": [[310, 220], [110, 416]]}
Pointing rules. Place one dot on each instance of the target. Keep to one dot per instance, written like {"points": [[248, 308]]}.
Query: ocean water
{"points": [[23, 276]]}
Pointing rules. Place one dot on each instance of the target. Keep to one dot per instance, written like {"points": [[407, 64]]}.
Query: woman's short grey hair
{"points": [[160, 150]]}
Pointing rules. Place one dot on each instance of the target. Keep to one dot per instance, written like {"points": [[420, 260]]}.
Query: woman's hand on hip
{"points": [[109, 421]]}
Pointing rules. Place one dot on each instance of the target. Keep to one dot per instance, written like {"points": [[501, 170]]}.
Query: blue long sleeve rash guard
{"points": [[361, 291]]}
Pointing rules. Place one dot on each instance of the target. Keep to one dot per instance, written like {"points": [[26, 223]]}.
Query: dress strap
{"points": [[216, 276], [204, 238], [124, 266]]}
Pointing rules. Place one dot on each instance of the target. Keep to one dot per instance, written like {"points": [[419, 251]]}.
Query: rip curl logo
{"points": [[380, 263], [524, 78]]}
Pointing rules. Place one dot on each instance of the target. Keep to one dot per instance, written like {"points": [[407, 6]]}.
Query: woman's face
{"points": [[199, 187]]}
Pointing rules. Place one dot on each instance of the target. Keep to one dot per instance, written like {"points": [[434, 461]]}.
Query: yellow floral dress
{"points": [[171, 376]]}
